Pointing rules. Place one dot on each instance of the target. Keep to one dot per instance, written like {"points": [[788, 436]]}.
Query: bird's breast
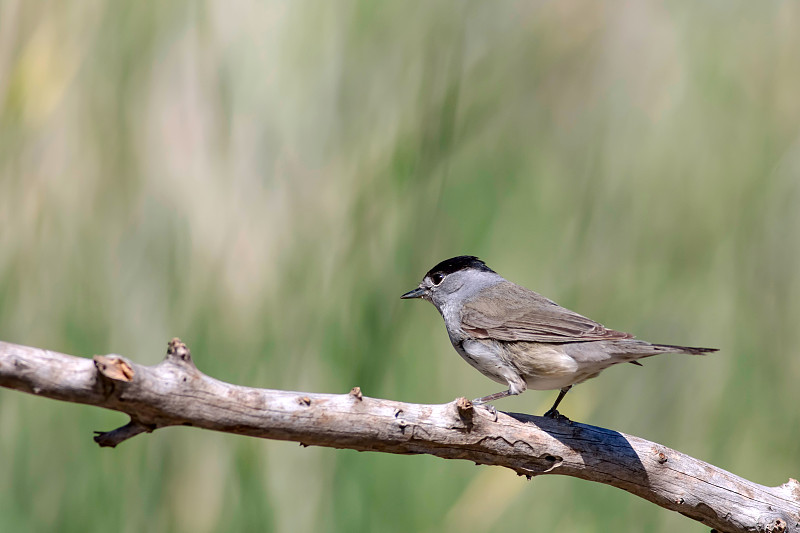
{"points": [[542, 366]]}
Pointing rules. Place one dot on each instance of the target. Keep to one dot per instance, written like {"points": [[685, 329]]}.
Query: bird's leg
{"points": [[492, 397], [553, 412]]}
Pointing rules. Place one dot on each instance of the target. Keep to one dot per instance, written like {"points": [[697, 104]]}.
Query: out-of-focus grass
{"points": [[264, 179]]}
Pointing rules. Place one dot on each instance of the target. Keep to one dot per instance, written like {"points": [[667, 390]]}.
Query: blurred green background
{"points": [[264, 179]]}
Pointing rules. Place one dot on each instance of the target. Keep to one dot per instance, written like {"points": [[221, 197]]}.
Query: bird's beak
{"points": [[416, 293]]}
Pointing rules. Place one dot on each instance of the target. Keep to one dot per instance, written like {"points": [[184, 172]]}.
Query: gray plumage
{"points": [[519, 338]]}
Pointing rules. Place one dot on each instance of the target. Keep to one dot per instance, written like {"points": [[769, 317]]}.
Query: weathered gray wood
{"points": [[175, 393]]}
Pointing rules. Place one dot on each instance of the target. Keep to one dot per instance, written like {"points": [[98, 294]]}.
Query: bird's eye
{"points": [[437, 278]]}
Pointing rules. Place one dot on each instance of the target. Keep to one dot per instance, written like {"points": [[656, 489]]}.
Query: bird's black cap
{"points": [[454, 264]]}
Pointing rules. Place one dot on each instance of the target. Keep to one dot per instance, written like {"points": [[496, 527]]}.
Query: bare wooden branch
{"points": [[175, 393]]}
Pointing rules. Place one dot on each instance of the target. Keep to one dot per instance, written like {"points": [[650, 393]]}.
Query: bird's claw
{"points": [[555, 415], [489, 407]]}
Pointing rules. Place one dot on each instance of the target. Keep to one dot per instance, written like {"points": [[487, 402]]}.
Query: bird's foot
{"points": [[489, 407], [555, 415]]}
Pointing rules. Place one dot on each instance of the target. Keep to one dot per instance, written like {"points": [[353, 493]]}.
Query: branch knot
{"points": [[177, 350], [114, 367]]}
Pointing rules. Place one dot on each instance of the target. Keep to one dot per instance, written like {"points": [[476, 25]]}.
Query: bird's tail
{"points": [[687, 349]]}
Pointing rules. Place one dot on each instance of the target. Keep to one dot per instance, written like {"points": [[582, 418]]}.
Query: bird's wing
{"points": [[508, 312]]}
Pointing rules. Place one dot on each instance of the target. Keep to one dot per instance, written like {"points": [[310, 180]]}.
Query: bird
{"points": [[519, 338]]}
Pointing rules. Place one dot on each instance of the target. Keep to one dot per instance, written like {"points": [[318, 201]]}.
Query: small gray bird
{"points": [[517, 337]]}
